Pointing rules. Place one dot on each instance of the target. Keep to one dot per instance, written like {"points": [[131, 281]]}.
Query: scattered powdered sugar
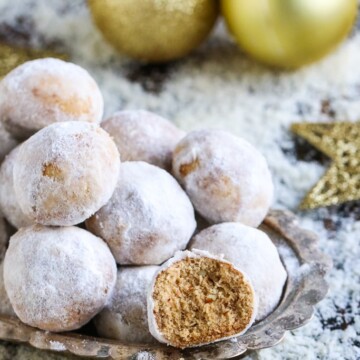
{"points": [[219, 87], [226, 178], [143, 136], [57, 279], [251, 251], [8, 202], [148, 218], [44, 91], [57, 346], [125, 316], [65, 172]]}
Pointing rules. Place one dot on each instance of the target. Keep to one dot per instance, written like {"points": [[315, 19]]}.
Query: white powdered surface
{"points": [[143, 136], [65, 172], [41, 92], [57, 279], [125, 315], [148, 218], [8, 201], [218, 87], [226, 178]]}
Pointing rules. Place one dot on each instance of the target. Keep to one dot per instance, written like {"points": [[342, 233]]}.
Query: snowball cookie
{"points": [[8, 201], [226, 178], [7, 142], [197, 298], [41, 92], [65, 172], [57, 279], [125, 316], [144, 136], [252, 251], [148, 218], [5, 306]]}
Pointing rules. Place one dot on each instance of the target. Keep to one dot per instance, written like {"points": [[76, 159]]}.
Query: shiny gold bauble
{"points": [[289, 33], [154, 30]]}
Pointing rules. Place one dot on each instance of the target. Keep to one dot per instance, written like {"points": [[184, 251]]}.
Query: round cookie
{"points": [[226, 178], [57, 279], [44, 91], [197, 298], [252, 251], [65, 173], [5, 306], [143, 136], [8, 202], [7, 142], [148, 218], [125, 316]]}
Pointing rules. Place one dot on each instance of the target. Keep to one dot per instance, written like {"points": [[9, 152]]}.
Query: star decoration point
{"points": [[340, 141]]}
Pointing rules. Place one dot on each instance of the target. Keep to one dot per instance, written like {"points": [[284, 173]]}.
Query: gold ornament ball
{"points": [[289, 33], [154, 30]]}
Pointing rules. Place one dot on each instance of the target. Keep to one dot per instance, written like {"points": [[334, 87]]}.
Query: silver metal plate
{"points": [[305, 287]]}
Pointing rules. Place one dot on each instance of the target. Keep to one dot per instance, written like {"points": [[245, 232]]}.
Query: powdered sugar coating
{"points": [[7, 142], [226, 178], [252, 251], [5, 306], [143, 136], [125, 316], [57, 279], [43, 91], [148, 218], [8, 202], [179, 256], [65, 173]]}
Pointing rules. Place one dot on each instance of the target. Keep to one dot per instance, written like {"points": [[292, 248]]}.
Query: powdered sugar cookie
{"points": [[148, 218], [143, 136], [226, 178], [65, 173], [125, 316], [57, 279], [43, 91]]}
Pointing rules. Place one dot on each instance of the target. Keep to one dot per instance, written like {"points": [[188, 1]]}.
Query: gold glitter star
{"points": [[340, 141], [11, 57]]}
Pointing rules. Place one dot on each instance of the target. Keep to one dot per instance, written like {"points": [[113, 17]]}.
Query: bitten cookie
{"points": [[252, 251], [44, 91], [57, 279], [196, 298], [65, 173], [8, 202], [143, 136], [226, 178], [125, 316], [148, 218]]}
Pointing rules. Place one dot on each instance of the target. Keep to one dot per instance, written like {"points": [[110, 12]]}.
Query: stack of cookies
{"points": [[106, 215]]}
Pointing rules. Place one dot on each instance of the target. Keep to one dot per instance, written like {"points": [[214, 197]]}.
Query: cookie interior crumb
{"points": [[201, 300]]}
